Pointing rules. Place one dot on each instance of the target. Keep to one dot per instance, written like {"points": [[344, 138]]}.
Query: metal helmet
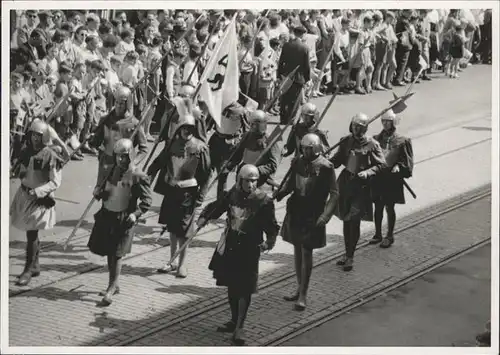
{"points": [[313, 141], [258, 116], [186, 91], [258, 121], [122, 93], [390, 116], [360, 119], [123, 146], [248, 172], [39, 126], [187, 120], [309, 109]]}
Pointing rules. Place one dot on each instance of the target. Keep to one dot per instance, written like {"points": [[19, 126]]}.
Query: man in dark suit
{"points": [[294, 53]]}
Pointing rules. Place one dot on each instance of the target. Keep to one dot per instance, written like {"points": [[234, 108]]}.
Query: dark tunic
{"points": [[355, 202], [235, 262], [111, 234], [298, 132], [311, 183], [184, 171], [387, 186]]}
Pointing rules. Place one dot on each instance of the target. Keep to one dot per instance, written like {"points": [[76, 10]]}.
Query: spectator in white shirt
{"points": [[49, 65], [189, 66], [90, 53], [126, 44]]}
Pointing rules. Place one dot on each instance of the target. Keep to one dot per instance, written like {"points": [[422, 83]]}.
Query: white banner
{"points": [[220, 80]]}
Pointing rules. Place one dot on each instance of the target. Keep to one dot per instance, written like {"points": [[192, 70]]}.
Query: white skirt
{"points": [[26, 215]]}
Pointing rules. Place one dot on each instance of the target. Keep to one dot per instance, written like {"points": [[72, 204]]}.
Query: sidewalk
{"points": [[64, 313]]}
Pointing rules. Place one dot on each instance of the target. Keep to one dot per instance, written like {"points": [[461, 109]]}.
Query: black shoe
{"points": [[426, 78], [117, 291], [228, 327], [375, 240], [300, 306], [341, 262], [291, 298], [348, 264], [398, 83], [24, 279], [386, 243]]}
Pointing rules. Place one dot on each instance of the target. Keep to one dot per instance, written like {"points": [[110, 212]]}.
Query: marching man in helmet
{"points": [[362, 158], [182, 105], [234, 123], [184, 168], [235, 263], [253, 143], [33, 206], [313, 186], [309, 114], [126, 196], [118, 124], [387, 187]]}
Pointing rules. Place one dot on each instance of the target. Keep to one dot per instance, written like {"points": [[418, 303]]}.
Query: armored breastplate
{"points": [[305, 177], [391, 151], [119, 196], [251, 156], [35, 177], [183, 164], [357, 160]]}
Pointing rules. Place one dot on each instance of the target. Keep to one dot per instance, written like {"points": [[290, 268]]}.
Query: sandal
{"points": [[167, 269]]}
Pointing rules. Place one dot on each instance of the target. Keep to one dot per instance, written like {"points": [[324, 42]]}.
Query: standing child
{"points": [[456, 50]]}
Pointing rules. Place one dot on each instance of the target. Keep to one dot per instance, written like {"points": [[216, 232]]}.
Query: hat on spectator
{"points": [[390, 14], [31, 12], [92, 17], [166, 26], [299, 30], [45, 13], [38, 33], [377, 15], [30, 68]]}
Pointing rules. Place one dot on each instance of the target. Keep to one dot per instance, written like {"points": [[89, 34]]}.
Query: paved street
{"points": [[421, 313], [451, 131]]}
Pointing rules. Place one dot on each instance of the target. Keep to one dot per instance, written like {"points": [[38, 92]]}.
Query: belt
{"points": [[26, 188], [224, 135]]}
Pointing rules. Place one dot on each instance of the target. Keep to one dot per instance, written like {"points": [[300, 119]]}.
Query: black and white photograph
{"points": [[197, 176]]}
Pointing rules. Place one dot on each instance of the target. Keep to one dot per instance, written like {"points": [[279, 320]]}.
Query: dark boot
{"points": [[376, 239], [25, 277], [35, 271], [387, 242]]}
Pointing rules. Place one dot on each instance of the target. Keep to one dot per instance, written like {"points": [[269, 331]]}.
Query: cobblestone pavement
{"points": [[270, 317], [60, 309]]}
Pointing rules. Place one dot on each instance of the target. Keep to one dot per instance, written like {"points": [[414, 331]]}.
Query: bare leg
{"points": [[182, 271], [148, 121], [115, 267], [173, 249], [307, 258], [369, 76], [297, 255]]}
